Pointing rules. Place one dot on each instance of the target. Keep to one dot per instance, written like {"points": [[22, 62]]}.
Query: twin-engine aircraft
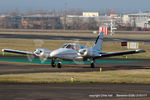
{"points": [[75, 52]]}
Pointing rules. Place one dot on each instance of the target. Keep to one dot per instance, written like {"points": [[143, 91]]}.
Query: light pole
{"points": [[65, 13]]}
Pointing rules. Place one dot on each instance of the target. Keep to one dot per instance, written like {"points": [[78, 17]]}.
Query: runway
{"points": [[96, 91], [74, 92], [48, 37]]}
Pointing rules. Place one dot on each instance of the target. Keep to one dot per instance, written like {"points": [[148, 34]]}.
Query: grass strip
{"points": [[138, 76]]}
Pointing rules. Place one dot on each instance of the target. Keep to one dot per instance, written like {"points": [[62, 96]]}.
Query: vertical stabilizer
{"points": [[99, 42]]}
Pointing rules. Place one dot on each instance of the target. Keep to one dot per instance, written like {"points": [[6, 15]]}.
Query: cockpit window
{"points": [[69, 46], [72, 46]]}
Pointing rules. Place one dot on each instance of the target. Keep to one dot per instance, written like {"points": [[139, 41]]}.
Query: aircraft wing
{"points": [[18, 51], [109, 54]]}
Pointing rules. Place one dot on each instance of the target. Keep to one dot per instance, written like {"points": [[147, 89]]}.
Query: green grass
{"points": [[131, 36], [54, 34], [118, 76]]}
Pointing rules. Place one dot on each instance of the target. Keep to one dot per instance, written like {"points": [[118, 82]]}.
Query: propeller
{"points": [[82, 52], [76, 43], [38, 44], [30, 57], [38, 52], [77, 48], [43, 54], [43, 59]]}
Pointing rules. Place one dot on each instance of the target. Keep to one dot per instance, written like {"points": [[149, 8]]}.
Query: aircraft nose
{"points": [[60, 53], [53, 54], [56, 53]]}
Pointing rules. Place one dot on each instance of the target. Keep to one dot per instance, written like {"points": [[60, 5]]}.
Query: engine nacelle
{"points": [[42, 53], [86, 52]]}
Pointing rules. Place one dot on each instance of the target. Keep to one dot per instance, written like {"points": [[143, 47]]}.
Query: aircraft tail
{"points": [[99, 42]]}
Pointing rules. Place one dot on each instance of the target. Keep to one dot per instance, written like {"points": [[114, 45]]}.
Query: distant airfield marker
{"points": [[72, 79], [133, 45], [100, 69]]}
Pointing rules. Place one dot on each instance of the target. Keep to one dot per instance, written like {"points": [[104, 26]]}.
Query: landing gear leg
{"points": [[93, 64], [53, 63], [59, 65]]}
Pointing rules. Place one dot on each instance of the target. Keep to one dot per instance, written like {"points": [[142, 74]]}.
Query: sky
{"points": [[87, 5]]}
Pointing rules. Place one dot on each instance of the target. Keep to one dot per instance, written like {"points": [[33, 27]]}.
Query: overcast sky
{"points": [[88, 5]]}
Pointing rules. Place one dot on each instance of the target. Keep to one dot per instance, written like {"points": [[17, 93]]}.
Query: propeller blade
{"points": [[30, 57], [43, 59]]}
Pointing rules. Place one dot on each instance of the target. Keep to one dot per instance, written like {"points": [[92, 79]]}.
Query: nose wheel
{"points": [[59, 65]]}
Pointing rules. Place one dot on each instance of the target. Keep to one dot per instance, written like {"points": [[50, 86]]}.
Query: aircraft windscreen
{"points": [[67, 46], [71, 46]]}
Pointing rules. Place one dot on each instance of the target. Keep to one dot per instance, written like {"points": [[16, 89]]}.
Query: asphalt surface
{"points": [[74, 92], [94, 91], [48, 37]]}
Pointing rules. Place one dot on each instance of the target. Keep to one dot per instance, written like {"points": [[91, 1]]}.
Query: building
{"points": [[90, 14], [2, 21], [7, 21], [86, 21], [39, 21], [141, 20]]}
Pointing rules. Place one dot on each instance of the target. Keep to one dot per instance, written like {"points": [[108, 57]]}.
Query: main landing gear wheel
{"points": [[93, 64], [53, 63], [59, 65]]}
